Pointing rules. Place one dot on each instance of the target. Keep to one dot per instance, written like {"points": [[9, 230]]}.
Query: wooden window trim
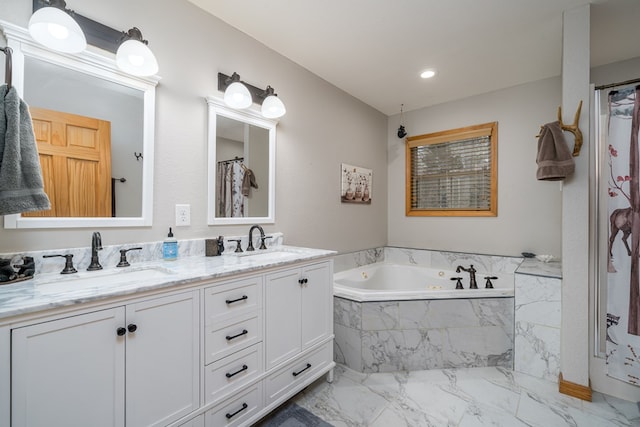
{"points": [[454, 135]]}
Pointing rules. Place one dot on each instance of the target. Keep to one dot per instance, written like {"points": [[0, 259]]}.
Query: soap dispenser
{"points": [[170, 247]]}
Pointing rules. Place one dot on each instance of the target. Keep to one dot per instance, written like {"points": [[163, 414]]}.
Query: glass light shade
{"points": [[272, 107], [57, 30], [135, 57], [237, 96]]}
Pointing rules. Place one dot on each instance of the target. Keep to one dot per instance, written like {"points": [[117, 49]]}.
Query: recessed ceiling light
{"points": [[427, 74]]}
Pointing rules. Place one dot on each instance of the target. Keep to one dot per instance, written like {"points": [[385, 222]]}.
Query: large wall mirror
{"points": [[95, 131], [241, 166]]}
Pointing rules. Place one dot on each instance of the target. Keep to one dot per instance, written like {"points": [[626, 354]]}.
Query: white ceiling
{"points": [[375, 49]]}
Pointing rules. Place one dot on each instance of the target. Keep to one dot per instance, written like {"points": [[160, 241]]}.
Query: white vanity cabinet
{"points": [[207, 351], [77, 370], [299, 310]]}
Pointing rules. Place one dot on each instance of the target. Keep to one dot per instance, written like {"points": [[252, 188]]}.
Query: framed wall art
{"points": [[356, 184]]}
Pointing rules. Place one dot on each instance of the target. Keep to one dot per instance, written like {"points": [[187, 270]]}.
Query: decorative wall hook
{"points": [[138, 156], [402, 132], [573, 128]]}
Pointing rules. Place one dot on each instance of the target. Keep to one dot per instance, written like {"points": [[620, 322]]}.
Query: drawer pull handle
{"points": [[244, 406], [295, 374], [231, 301], [303, 281], [232, 374], [231, 337]]}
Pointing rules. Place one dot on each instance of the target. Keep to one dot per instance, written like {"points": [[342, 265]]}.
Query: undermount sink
{"points": [[101, 278]]}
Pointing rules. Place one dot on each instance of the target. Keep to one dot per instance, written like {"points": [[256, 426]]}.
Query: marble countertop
{"points": [[51, 290], [533, 267]]}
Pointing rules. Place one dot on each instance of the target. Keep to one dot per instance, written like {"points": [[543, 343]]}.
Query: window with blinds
{"points": [[453, 173]]}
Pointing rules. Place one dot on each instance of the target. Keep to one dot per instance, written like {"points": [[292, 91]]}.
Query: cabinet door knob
{"points": [[132, 327], [121, 331]]}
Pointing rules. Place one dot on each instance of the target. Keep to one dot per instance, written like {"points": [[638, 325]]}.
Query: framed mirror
{"points": [[241, 166], [94, 127]]}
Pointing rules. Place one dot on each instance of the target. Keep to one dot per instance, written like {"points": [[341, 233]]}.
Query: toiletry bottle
{"points": [[170, 247]]}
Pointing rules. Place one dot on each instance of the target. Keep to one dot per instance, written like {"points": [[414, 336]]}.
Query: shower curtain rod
{"points": [[628, 82]]}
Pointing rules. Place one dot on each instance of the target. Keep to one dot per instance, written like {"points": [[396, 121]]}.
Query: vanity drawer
{"points": [[295, 373], [237, 410], [233, 335], [232, 299], [228, 375]]}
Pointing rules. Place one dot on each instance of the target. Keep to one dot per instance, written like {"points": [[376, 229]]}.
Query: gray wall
{"points": [[323, 128], [529, 211]]}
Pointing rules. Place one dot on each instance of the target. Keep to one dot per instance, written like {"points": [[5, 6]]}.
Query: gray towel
{"points": [[248, 181], [555, 161], [21, 187]]}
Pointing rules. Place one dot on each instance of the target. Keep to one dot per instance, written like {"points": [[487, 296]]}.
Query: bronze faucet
{"points": [[96, 245], [250, 245], [472, 274]]}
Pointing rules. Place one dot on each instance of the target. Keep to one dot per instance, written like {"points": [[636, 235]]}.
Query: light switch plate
{"points": [[183, 215]]}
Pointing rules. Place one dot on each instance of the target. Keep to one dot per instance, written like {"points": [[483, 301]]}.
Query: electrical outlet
{"points": [[183, 215]]}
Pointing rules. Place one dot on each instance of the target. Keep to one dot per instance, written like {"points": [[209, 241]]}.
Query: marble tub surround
{"points": [[110, 254], [413, 335], [428, 258], [533, 267], [458, 398], [347, 261], [390, 336], [53, 290], [537, 319]]}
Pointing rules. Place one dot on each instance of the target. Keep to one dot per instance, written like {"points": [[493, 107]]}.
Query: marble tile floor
{"points": [[457, 398]]}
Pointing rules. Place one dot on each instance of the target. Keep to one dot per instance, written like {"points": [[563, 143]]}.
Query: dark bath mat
{"points": [[292, 415]]}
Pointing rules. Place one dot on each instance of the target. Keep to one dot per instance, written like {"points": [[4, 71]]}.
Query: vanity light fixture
{"points": [[134, 56], [240, 95], [54, 27], [237, 95]]}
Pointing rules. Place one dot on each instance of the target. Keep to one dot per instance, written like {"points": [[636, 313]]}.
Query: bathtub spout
{"points": [[472, 275]]}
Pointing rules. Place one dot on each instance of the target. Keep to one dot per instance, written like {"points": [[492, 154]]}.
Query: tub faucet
{"points": [[472, 274], [250, 245], [96, 245]]}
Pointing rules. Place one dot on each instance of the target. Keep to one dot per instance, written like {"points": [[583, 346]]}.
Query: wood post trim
{"points": [[575, 390]]}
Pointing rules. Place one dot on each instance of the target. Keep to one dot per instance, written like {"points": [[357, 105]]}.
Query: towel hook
{"points": [[8, 70], [573, 128]]}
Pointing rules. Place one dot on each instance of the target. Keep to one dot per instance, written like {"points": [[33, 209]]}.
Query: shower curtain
{"points": [[623, 267], [230, 199]]}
